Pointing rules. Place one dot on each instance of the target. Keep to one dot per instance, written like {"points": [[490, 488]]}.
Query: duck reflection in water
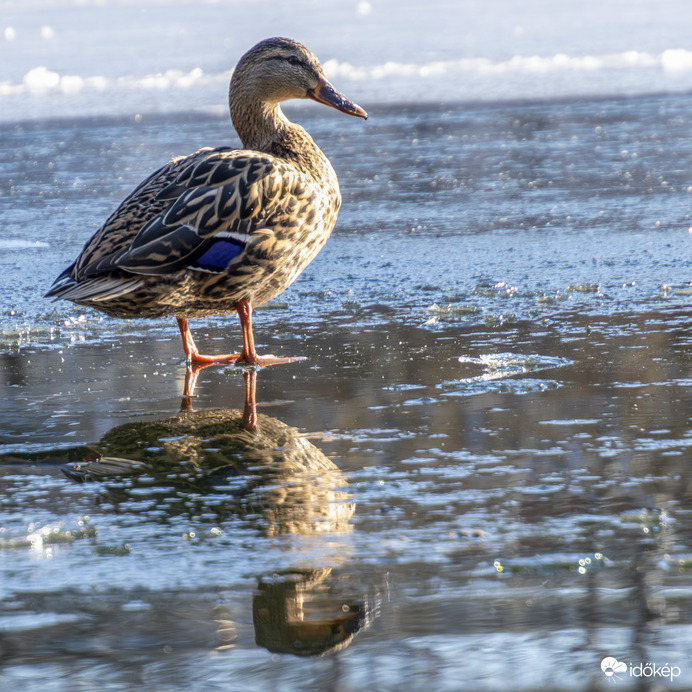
{"points": [[232, 463]]}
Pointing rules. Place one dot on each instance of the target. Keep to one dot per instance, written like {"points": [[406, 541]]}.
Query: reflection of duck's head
{"points": [[296, 613], [213, 461]]}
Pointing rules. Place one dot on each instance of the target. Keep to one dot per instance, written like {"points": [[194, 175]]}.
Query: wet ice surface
{"points": [[479, 475]]}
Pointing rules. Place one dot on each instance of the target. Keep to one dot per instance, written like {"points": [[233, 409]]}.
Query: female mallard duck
{"points": [[222, 230]]}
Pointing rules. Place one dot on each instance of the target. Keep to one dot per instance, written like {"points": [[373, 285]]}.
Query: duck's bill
{"points": [[325, 93]]}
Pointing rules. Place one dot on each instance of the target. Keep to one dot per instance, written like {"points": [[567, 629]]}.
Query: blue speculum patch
{"points": [[220, 254]]}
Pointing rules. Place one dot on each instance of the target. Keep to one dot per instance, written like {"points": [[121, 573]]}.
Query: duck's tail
{"points": [[97, 289]]}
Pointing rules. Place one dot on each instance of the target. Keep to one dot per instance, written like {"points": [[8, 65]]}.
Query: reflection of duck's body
{"points": [[224, 464], [271, 470], [222, 230]]}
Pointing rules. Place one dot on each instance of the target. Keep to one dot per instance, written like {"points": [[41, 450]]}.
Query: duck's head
{"points": [[279, 69]]}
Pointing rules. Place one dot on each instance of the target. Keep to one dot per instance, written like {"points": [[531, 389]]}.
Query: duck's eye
{"points": [[293, 60]]}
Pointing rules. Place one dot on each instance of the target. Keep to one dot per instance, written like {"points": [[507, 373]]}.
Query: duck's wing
{"points": [[122, 226], [137, 210], [206, 217]]}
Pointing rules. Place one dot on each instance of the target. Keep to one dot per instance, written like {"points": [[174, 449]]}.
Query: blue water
{"points": [[478, 479]]}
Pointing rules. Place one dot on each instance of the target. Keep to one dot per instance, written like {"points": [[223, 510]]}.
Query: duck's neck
{"points": [[257, 123], [263, 127]]}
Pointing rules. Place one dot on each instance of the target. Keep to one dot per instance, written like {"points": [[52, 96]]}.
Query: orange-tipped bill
{"points": [[325, 93]]}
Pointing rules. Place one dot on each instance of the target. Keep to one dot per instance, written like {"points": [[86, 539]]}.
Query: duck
{"points": [[222, 230]]}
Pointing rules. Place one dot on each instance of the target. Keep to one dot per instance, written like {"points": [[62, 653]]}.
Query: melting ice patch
{"points": [[430, 80], [669, 60], [498, 367], [41, 80]]}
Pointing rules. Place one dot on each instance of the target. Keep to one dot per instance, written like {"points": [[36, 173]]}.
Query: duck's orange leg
{"points": [[248, 356], [192, 355]]}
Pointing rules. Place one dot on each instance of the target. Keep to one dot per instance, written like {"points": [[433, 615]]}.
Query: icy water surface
{"points": [[477, 480], [96, 57]]}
